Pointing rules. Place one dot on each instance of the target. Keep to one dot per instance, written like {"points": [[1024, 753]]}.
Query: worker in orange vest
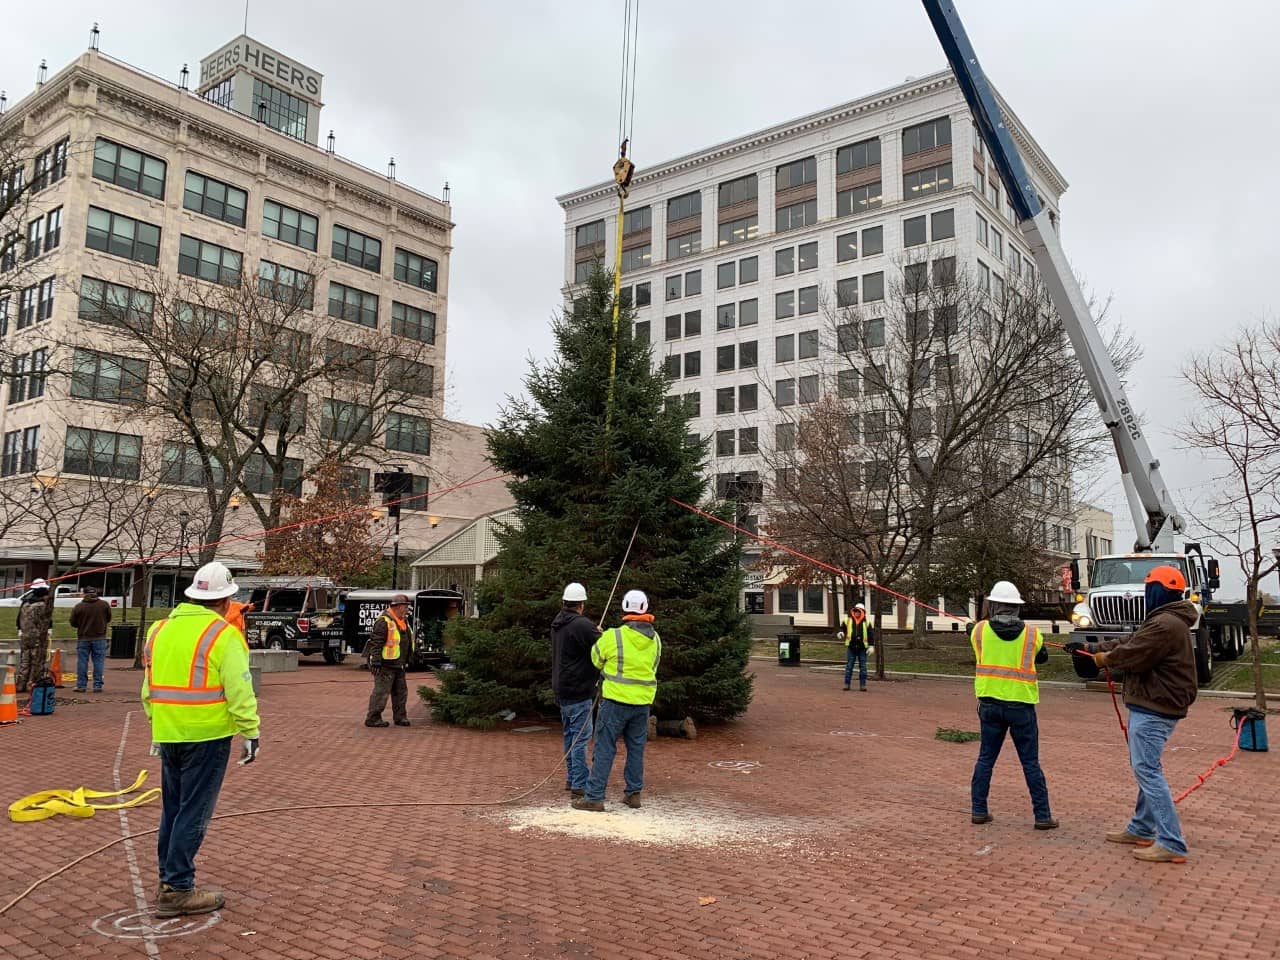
{"points": [[235, 616]]}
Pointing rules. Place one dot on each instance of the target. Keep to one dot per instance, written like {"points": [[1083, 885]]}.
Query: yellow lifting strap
{"points": [[75, 803], [623, 170]]}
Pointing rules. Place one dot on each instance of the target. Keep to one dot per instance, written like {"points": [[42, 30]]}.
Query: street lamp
{"points": [[184, 520], [1275, 552]]}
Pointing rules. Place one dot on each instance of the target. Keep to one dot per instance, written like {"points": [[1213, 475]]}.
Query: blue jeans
{"points": [[1019, 720], [1155, 816], [576, 718], [85, 649], [191, 776], [861, 657], [631, 722]]}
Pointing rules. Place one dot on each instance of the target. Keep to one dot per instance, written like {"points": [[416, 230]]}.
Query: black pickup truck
{"points": [[294, 613]]}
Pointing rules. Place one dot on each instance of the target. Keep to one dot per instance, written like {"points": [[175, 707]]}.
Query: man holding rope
{"points": [[1159, 686], [573, 680]]}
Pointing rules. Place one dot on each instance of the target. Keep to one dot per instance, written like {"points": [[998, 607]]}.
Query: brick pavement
{"points": [[849, 838]]}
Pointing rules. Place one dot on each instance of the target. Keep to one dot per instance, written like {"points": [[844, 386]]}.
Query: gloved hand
{"points": [[155, 749], [1100, 659], [871, 650], [250, 753], [1075, 646]]}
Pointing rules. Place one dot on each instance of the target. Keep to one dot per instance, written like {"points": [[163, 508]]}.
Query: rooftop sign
{"points": [[246, 54]]}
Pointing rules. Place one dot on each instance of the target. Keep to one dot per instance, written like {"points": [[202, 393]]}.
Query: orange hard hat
{"points": [[1167, 576]]}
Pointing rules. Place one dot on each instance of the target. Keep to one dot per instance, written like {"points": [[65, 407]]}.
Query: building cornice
{"points": [[877, 101]]}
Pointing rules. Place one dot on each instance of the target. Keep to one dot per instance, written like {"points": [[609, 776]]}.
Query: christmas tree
{"points": [[586, 474]]}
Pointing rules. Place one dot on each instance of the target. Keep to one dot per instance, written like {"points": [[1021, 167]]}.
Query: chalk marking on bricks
{"points": [[133, 925], [853, 733], [985, 850], [738, 766], [139, 895]]}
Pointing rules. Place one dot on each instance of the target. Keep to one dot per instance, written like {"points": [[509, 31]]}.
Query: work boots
{"points": [[1158, 854], [582, 803], [632, 800], [1124, 836], [181, 903]]}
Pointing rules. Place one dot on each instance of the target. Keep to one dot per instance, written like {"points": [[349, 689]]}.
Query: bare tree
{"points": [[1239, 426]]}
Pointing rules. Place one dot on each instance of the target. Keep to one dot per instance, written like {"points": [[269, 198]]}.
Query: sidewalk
{"points": [[824, 824]]}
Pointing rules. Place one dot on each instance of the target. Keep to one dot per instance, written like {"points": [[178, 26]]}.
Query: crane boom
{"points": [[1154, 517]]}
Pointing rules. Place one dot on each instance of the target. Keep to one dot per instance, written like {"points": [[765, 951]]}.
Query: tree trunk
{"points": [[924, 566], [1259, 688], [148, 575]]}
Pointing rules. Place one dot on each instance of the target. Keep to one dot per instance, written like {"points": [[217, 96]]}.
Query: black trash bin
{"points": [[788, 649], [124, 636]]}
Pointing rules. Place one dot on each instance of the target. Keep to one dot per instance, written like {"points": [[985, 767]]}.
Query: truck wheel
{"points": [[333, 655], [1204, 656], [1230, 643], [275, 642]]}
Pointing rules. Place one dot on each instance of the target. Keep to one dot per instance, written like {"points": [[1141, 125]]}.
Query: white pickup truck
{"points": [[64, 595]]}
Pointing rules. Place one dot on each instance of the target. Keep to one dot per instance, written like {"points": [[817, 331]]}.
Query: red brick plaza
{"points": [[823, 824]]}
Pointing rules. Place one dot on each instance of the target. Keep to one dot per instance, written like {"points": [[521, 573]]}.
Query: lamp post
{"points": [[1275, 552], [184, 520]]}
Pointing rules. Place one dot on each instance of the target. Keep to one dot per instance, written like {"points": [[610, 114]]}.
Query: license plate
{"points": [[335, 641]]}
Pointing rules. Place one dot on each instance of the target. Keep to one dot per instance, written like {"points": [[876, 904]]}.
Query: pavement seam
{"points": [[135, 875]]}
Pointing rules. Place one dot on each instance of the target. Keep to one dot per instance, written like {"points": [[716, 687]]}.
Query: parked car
{"points": [[64, 595], [429, 611], [294, 613]]}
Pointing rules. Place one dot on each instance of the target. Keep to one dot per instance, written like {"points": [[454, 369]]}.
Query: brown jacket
{"points": [[90, 618], [1158, 660]]}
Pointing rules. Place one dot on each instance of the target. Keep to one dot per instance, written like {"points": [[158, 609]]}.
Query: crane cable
{"points": [[623, 170]]}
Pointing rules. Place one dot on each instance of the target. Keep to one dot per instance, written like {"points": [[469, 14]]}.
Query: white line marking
{"points": [[148, 939]]}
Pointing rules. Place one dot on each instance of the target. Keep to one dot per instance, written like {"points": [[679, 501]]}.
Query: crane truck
{"points": [[1113, 603]]}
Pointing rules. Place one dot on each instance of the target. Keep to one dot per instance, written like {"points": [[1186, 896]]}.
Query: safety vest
{"points": [[628, 661], [849, 624], [391, 647], [1006, 669], [196, 684]]}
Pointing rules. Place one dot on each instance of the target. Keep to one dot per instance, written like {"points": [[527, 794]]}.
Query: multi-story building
{"points": [[729, 254], [130, 173]]}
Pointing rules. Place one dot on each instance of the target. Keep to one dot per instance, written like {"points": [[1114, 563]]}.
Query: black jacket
{"points": [[573, 675]]}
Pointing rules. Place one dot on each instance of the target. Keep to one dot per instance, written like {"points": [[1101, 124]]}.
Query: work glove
{"points": [[250, 753], [1100, 659], [1075, 646], [871, 650], [155, 749]]}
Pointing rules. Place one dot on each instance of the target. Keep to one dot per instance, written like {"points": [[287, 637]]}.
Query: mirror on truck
{"points": [[1075, 574], [1215, 575]]}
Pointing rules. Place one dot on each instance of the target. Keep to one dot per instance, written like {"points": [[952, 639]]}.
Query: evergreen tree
{"points": [[581, 487]]}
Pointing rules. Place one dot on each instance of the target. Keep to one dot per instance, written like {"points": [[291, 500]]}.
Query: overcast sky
{"points": [[1161, 115]]}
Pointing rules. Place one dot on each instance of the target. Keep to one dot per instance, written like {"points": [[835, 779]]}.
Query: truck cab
{"points": [[293, 613], [1114, 603]]}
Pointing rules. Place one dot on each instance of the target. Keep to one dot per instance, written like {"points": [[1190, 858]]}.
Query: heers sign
{"points": [[245, 54]]}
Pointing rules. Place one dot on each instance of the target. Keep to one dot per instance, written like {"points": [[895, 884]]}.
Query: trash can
{"points": [[788, 649], [124, 637]]}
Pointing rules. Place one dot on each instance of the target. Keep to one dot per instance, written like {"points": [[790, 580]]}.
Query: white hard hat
{"points": [[1005, 592], [39, 584], [635, 602], [212, 582], [575, 593], [858, 606]]}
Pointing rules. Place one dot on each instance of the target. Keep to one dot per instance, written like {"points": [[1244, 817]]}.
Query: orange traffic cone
{"points": [[55, 668], [8, 698]]}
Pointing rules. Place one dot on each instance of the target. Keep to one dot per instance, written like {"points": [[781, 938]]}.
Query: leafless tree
{"points": [[1239, 426]]}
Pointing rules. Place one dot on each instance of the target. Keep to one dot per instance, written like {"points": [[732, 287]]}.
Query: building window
{"points": [[925, 183], [859, 199], [847, 247], [589, 235], [27, 376], [747, 354], [748, 269], [693, 283], [294, 288], [725, 446], [725, 397], [51, 166], [738, 191], [101, 453], [748, 440], [784, 348], [847, 292], [981, 229], [415, 270], [355, 306], [27, 308], [846, 384], [357, 249], [122, 236], [926, 136], [108, 377], [216, 199], [180, 465], [674, 327], [693, 323], [643, 295], [693, 364], [35, 237], [412, 377], [671, 366], [914, 231], [223, 93], [807, 345], [21, 449], [784, 392], [857, 156], [344, 422], [112, 303], [208, 261], [411, 322], [803, 214], [872, 287], [726, 316], [748, 313], [637, 258], [53, 229], [788, 600], [279, 110], [259, 475], [809, 388], [727, 275], [346, 361], [4, 315], [784, 261], [641, 333], [289, 225], [685, 245], [784, 305], [128, 168], [748, 397], [997, 244], [942, 225], [739, 231], [873, 332], [872, 241], [808, 300], [808, 255], [813, 599], [674, 286], [636, 221], [797, 173], [408, 434], [684, 207], [45, 309]]}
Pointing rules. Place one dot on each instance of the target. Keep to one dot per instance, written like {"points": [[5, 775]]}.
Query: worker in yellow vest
{"points": [[627, 658], [856, 632], [390, 647], [198, 693], [1006, 652]]}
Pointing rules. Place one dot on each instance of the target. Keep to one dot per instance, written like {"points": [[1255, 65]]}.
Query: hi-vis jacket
{"points": [[1005, 669], [196, 685], [860, 629], [627, 658]]}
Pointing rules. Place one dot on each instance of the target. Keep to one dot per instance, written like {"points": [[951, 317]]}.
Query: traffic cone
{"points": [[55, 668], [8, 698]]}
